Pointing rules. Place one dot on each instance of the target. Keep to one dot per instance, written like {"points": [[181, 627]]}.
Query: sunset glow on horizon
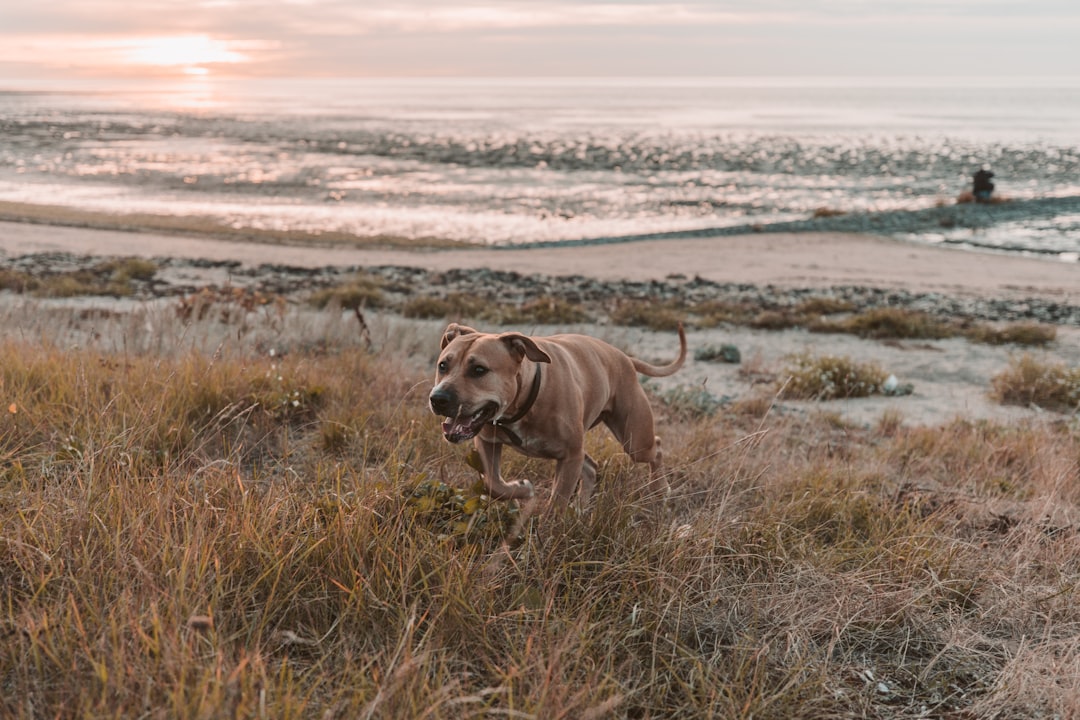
{"points": [[69, 40], [134, 56], [190, 53]]}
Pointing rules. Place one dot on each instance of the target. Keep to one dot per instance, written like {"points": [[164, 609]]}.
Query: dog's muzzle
{"points": [[443, 402], [460, 425]]}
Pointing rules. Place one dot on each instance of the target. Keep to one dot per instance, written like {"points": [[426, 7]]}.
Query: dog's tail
{"points": [[664, 370]]}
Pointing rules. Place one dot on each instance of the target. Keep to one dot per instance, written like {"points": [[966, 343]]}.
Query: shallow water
{"points": [[544, 160]]}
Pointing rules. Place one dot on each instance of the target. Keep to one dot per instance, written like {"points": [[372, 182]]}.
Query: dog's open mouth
{"points": [[463, 428]]}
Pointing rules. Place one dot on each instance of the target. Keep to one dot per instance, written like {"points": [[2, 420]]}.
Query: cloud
{"points": [[448, 18], [494, 37]]}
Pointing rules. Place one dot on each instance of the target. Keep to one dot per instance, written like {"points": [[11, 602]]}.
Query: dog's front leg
{"points": [[568, 472], [490, 455]]}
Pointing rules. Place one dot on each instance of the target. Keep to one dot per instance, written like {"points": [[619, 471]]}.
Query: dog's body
{"points": [[541, 395]]}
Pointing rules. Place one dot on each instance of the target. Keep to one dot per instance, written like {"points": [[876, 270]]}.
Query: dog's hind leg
{"points": [[588, 480], [632, 426], [658, 485]]}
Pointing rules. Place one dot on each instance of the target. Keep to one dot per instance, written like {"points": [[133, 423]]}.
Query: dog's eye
{"points": [[443, 367], [479, 371]]}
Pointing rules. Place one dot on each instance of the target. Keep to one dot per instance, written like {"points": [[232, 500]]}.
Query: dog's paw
{"points": [[527, 487]]}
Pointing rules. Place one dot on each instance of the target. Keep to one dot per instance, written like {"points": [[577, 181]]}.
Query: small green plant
{"points": [[829, 377], [726, 353], [692, 401], [467, 514], [1028, 381]]}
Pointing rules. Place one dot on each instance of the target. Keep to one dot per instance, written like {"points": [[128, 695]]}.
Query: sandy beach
{"points": [[786, 260]]}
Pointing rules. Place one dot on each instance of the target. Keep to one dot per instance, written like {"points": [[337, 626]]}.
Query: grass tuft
{"points": [[1029, 334], [363, 291], [658, 316], [1027, 381], [116, 278], [830, 377], [889, 323]]}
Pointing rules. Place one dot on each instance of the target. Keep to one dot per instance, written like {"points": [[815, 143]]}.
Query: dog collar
{"points": [[501, 423]]}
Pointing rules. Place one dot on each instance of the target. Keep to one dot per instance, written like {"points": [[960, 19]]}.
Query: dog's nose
{"points": [[443, 402]]}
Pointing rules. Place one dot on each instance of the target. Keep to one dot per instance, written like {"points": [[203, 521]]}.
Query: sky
{"points": [[56, 40]]}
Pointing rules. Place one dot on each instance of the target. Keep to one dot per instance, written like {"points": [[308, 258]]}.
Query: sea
{"points": [[552, 160]]}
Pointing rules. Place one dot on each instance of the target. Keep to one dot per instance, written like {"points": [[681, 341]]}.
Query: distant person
{"points": [[982, 188]]}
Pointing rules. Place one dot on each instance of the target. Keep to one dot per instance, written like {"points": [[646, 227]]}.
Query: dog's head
{"points": [[477, 378]]}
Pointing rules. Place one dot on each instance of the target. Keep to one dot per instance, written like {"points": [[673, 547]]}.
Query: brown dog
{"points": [[541, 395]]}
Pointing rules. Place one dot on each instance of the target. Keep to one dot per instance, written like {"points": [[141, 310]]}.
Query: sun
{"points": [[189, 53]]}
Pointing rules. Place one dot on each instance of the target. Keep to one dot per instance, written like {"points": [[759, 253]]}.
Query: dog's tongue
{"points": [[461, 428], [457, 429]]}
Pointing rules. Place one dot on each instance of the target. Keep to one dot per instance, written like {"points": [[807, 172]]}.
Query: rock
{"points": [[892, 386]]}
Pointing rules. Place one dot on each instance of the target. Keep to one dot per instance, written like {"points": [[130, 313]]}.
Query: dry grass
{"points": [[902, 324], [455, 306], [829, 377], [117, 278], [195, 527], [820, 314], [1028, 381], [890, 323], [1029, 334], [658, 316], [543, 310], [363, 291]]}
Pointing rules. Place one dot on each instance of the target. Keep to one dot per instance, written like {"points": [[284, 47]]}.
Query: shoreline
{"points": [[783, 260]]}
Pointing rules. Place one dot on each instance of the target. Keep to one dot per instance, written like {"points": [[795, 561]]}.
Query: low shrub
{"points": [[660, 316], [1024, 333], [545, 310], [823, 306], [829, 377], [1027, 381], [454, 306], [692, 401], [363, 291], [889, 323], [726, 353]]}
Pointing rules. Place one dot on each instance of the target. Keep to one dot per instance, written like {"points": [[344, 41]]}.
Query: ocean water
{"points": [[525, 161]]}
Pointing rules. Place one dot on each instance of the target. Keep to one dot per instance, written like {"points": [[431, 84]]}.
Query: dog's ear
{"points": [[522, 346], [452, 331]]}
